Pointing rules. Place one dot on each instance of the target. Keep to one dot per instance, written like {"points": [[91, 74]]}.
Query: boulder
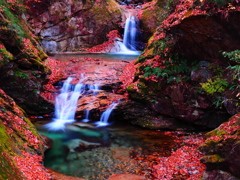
{"points": [[180, 57]]}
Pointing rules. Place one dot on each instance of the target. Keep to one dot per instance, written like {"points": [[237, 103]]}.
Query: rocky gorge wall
{"points": [[221, 151], [73, 25], [22, 75], [21, 146]]}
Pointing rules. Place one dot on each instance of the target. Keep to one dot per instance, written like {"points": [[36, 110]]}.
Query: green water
{"points": [[117, 149]]}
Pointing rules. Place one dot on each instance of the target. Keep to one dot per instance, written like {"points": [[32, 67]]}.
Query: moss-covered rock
{"points": [[22, 72], [153, 14], [222, 149], [21, 146], [180, 56]]}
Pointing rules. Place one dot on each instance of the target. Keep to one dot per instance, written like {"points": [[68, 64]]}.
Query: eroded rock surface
{"points": [[73, 25]]}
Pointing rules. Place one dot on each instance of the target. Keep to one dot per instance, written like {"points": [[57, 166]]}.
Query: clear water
{"points": [[95, 153]]}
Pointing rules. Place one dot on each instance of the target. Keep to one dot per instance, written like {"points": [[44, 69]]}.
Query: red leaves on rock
{"points": [[230, 126], [228, 130], [31, 167], [56, 71], [56, 74], [14, 122], [103, 48], [127, 77]]}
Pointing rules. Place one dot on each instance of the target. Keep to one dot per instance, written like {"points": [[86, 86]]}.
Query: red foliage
{"points": [[31, 167], [184, 163], [112, 36], [230, 126], [127, 77], [56, 74], [229, 129], [56, 71]]}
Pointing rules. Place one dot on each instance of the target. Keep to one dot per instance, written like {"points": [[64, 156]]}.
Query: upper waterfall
{"points": [[130, 33]]}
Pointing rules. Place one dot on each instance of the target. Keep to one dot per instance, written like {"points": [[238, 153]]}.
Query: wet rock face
{"points": [[70, 26]]}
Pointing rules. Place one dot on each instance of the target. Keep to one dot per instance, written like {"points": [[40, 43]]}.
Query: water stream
{"points": [[65, 104], [130, 33], [93, 89], [95, 150], [106, 114]]}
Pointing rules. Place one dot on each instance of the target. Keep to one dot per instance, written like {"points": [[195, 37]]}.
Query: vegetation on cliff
{"points": [[71, 26]]}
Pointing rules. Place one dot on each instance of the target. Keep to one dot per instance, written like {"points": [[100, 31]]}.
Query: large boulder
{"points": [[72, 25], [22, 72], [181, 75]]}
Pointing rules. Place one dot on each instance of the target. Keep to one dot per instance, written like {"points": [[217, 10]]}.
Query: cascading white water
{"points": [[91, 89], [129, 45], [66, 104], [106, 114], [130, 32]]}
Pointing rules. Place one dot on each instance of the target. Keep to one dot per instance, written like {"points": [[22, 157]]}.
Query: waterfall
{"points": [[106, 114], [94, 90], [130, 33], [130, 36], [66, 104]]}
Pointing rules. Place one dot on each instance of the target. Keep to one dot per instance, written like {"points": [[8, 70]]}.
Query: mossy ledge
{"points": [[21, 146]]}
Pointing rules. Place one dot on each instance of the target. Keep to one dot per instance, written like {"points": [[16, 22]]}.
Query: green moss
{"points": [[141, 85], [131, 88], [6, 56], [8, 170], [212, 159], [140, 59], [13, 23], [215, 132], [154, 14], [101, 14]]}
